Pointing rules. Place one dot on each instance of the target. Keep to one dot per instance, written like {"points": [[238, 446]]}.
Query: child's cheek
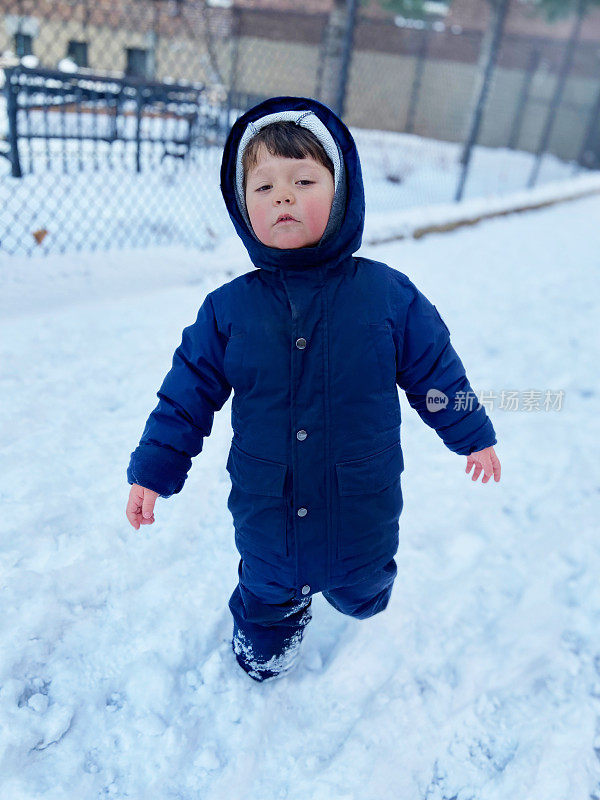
{"points": [[259, 221], [316, 217]]}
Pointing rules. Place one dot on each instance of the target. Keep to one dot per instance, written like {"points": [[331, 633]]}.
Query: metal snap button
{"points": [[301, 435], [305, 589], [300, 343], [302, 512]]}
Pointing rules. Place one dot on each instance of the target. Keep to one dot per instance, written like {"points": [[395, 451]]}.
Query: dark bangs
{"points": [[286, 140]]}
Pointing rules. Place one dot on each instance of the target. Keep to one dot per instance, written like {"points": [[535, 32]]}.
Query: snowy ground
{"points": [[481, 681]]}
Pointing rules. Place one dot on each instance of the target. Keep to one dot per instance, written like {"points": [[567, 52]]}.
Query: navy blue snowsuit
{"points": [[314, 343]]}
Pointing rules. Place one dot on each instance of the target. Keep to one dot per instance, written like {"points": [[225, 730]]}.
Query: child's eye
{"points": [[306, 181], [260, 188]]}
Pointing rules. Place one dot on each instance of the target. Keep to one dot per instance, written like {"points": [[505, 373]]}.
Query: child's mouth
{"points": [[286, 219]]}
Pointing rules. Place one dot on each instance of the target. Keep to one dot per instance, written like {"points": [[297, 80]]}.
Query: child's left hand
{"points": [[485, 460]]}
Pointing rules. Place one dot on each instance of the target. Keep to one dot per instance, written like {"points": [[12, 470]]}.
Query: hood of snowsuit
{"points": [[348, 205]]}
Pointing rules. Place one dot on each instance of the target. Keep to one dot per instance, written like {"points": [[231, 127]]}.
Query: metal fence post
{"points": [[138, 128], [558, 92], [500, 11], [417, 80], [532, 65], [11, 88], [589, 153]]}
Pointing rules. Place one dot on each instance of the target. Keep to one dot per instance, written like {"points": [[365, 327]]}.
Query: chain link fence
{"points": [[113, 114]]}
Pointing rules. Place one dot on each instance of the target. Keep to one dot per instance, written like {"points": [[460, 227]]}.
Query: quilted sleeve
{"points": [[434, 379], [191, 392]]}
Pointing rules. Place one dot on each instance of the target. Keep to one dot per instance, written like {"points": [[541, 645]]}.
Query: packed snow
{"points": [[480, 681]]}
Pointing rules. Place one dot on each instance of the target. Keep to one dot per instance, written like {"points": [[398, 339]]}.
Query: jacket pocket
{"points": [[370, 503], [257, 503]]}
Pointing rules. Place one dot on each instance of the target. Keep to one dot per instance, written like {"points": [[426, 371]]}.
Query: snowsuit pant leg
{"points": [[367, 598], [268, 626]]}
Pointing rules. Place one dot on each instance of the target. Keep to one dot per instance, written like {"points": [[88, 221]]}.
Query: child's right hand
{"points": [[140, 506]]}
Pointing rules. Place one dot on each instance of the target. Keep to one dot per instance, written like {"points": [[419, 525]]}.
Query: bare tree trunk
{"points": [[209, 39], [490, 48], [153, 39], [332, 53], [485, 53]]}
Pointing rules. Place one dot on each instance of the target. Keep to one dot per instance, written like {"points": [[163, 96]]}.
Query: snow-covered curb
{"points": [[417, 222]]}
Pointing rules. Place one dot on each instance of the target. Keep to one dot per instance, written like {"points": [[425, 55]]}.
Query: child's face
{"points": [[300, 188]]}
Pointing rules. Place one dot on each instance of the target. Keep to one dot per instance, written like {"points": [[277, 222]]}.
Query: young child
{"points": [[314, 343]]}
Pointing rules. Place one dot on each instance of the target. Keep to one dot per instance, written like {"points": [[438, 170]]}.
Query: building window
{"points": [[137, 62], [78, 52], [23, 44], [174, 8]]}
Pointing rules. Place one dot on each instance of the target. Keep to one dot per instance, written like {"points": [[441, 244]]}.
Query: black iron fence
{"points": [[51, 106], [113, 113]]}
